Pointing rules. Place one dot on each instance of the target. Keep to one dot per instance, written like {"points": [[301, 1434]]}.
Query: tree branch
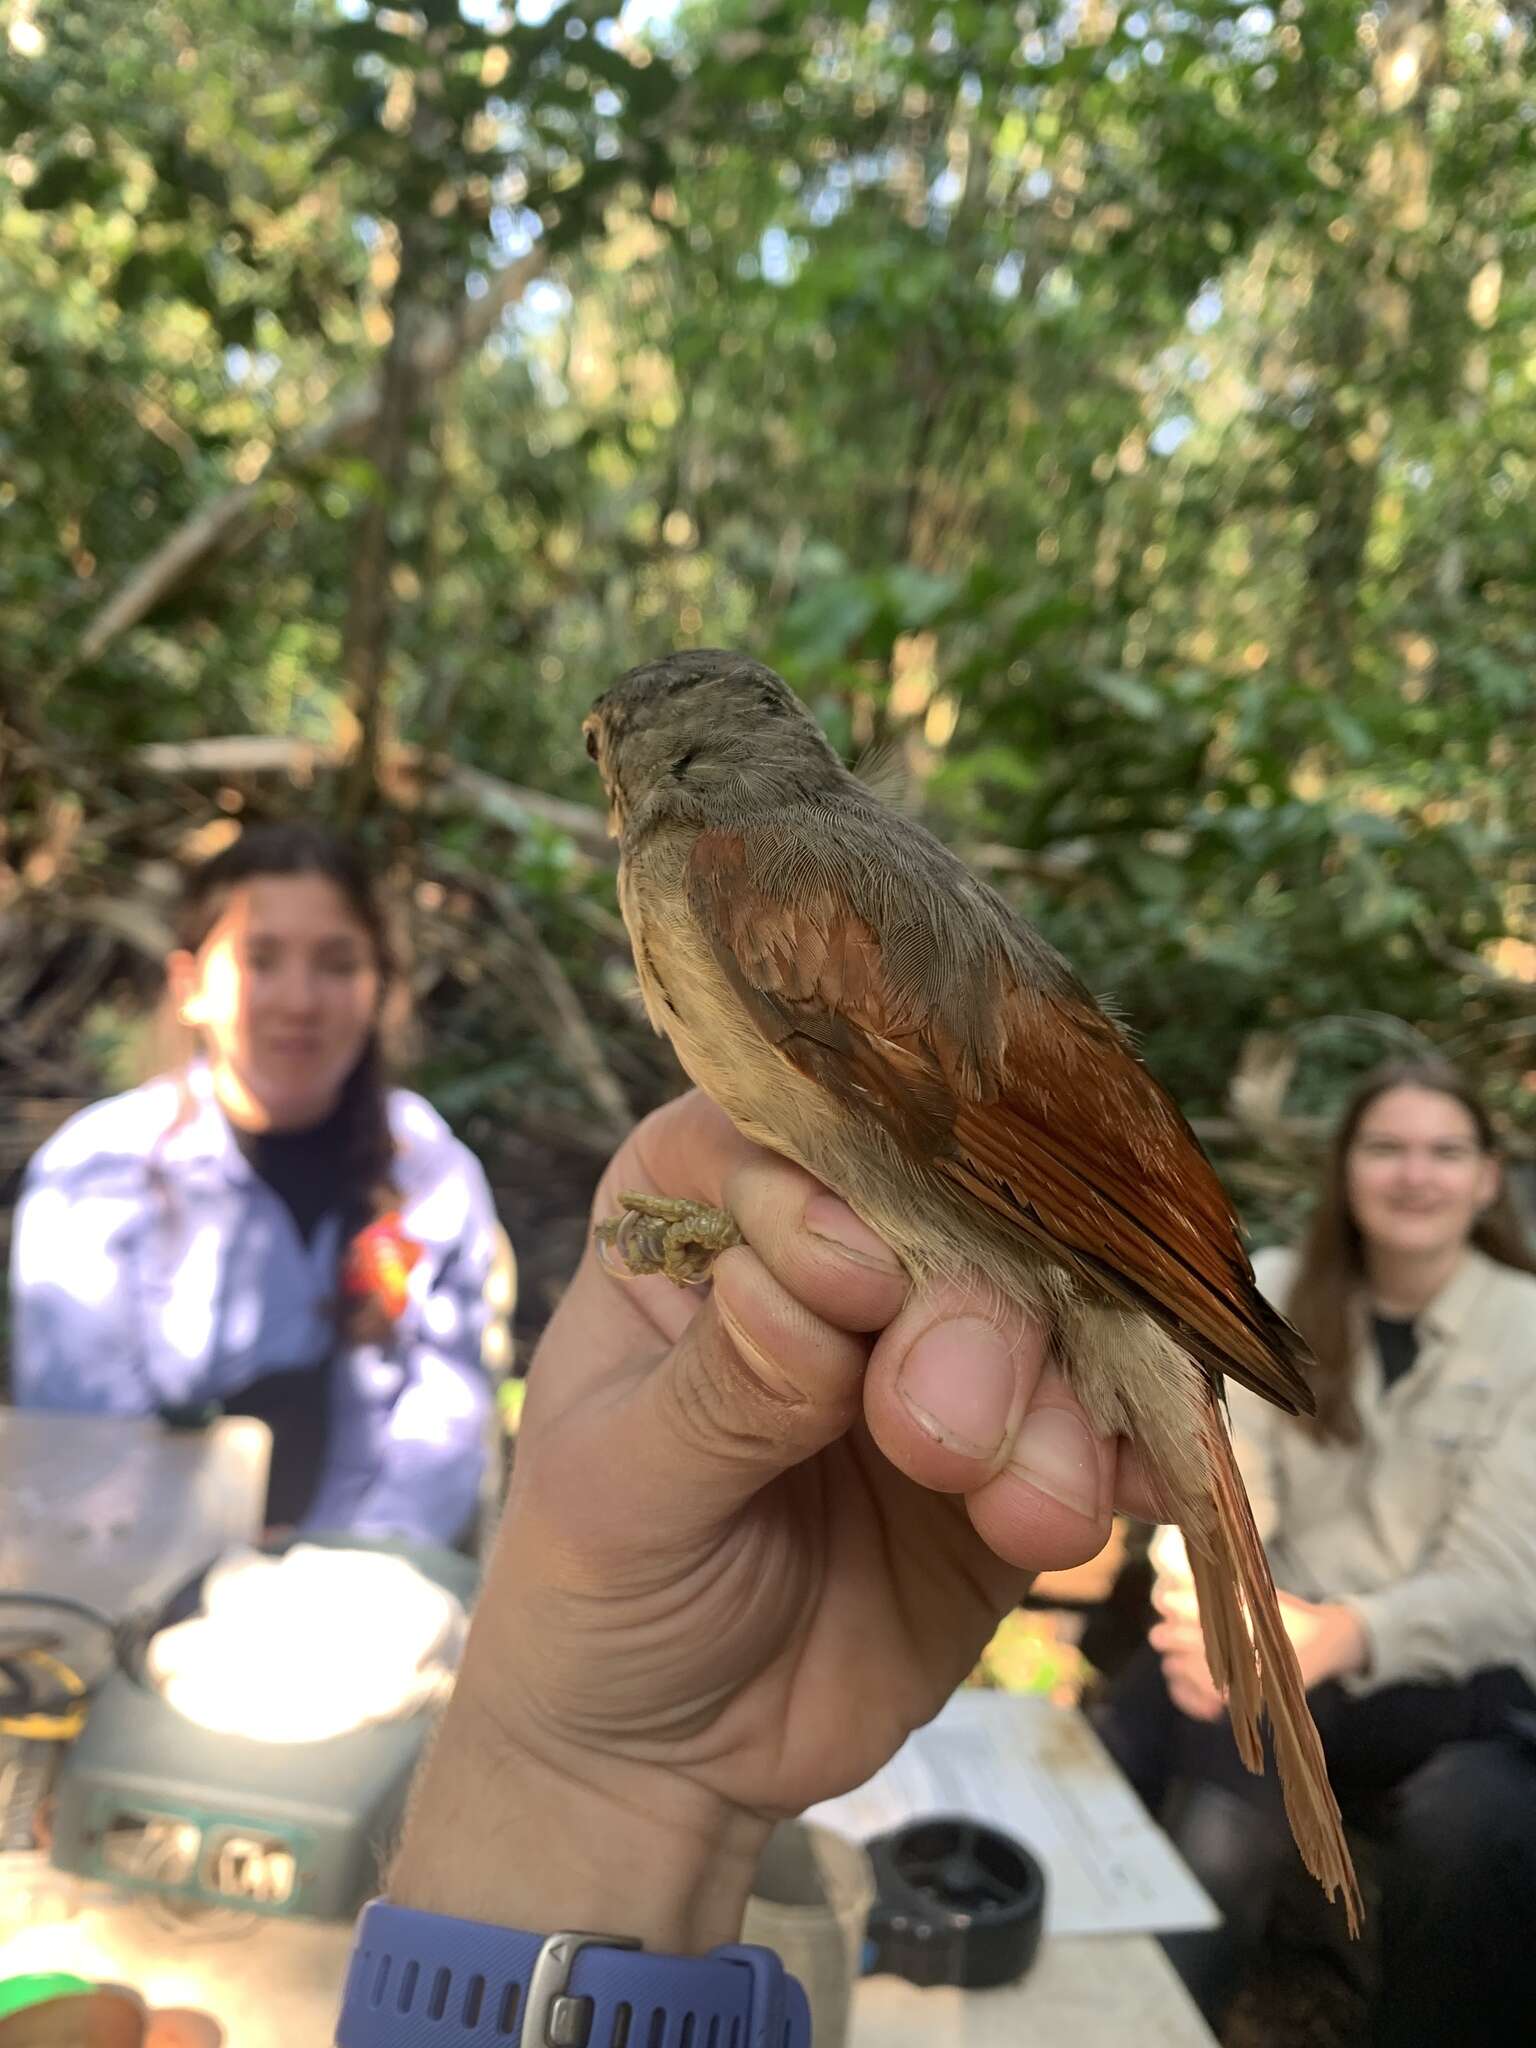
{"points": [[501, 803], [552, 1005], [440, 351]]}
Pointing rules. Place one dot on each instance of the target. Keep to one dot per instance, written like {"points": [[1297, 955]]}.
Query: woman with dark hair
{"points": [[271, 1229], [1401, 1527]]}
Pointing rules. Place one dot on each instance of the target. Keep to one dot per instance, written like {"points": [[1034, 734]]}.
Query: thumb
{"points": [[757, 1383]]}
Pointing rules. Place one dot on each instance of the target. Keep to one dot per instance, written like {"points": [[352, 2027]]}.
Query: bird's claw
{"points": [[664, 1234]]}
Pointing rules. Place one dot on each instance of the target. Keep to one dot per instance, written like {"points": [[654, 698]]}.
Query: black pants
{"points": [[1442, 1777]]}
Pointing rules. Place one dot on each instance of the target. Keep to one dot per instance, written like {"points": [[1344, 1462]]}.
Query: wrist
{"points": [[518, 1835]]}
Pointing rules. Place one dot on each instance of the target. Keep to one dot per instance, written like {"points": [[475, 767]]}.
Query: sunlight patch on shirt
{"points": [[56, 1248]]}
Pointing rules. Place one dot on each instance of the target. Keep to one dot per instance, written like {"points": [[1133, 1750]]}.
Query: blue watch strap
{"points": [[423, 1980]]}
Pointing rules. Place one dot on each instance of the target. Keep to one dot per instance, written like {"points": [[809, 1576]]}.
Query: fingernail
{"points": [[1054, 1451], [827, 1217], [958, 1383], [769, 1375]]}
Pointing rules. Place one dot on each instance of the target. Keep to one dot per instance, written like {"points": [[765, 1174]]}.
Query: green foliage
{"points": [[1126, 413]]}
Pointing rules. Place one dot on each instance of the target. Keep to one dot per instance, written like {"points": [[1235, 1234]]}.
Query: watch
{"points": [[424, 1980]]}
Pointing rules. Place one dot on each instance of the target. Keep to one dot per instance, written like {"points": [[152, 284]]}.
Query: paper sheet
{"points": [[1038, 1772]]}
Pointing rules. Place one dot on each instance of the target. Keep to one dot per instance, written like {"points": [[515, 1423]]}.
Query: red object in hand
{"points": [[378, 1264]]}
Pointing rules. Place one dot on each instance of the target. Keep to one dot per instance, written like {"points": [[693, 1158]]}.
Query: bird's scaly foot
{"points": [[665, 1234]]}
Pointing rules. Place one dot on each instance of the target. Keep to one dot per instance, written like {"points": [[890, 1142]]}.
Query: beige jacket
{"points": [[1427, 1526]]}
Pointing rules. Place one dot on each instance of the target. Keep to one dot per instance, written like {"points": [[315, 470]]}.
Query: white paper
{"points": [[1038, 1772]]}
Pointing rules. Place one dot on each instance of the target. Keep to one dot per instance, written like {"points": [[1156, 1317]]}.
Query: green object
{"points": [[509, 1399], [17, 1993]]}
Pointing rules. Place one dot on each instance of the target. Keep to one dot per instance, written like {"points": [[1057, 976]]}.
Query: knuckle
{"points": [[724, 1402], [767, 1193]]}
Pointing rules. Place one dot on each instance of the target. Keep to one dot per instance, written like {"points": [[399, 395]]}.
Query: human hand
{"points": [[736, 1568], [1180, 1642], [106, 2017], [1329, 1639]]}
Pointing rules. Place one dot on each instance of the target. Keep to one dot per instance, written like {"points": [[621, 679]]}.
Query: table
{"points": [[117, 1510], [1085, 1991], [277, 1983]]}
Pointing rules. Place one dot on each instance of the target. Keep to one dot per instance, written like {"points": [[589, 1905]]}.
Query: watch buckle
{"points": [[553, 2016]]}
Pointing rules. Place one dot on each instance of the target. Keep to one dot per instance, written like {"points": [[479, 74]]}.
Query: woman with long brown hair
{"points": [[270, 1228], [1400, 1523]]}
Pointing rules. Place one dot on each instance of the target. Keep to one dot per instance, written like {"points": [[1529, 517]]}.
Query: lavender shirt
{"points": [[152, 1267]]}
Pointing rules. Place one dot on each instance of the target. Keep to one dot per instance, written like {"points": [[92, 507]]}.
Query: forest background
{"points": [[1123, 419]]}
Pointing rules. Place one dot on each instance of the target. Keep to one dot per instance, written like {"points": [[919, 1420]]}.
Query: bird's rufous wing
{"points": [[1045, 1117]]}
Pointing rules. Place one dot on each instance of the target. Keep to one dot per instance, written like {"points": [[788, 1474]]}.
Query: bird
{"points": [[858, 1001]]}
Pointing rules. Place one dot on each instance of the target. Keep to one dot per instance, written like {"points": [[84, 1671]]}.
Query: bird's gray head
{"points": [[704, 734]]}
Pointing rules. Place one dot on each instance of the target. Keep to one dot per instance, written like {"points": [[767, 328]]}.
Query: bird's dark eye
{"points": [[591, 742], [684, 762]]}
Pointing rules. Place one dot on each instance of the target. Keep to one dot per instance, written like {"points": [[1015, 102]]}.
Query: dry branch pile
{"points": [[528, 1036]]}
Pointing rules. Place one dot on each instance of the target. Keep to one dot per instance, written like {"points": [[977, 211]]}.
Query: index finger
{"points": [[689, 1148], [692, 1149], [810, 1241]]}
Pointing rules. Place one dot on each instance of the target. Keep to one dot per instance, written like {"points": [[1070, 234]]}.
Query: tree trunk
{"points": [[370, 611]]}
